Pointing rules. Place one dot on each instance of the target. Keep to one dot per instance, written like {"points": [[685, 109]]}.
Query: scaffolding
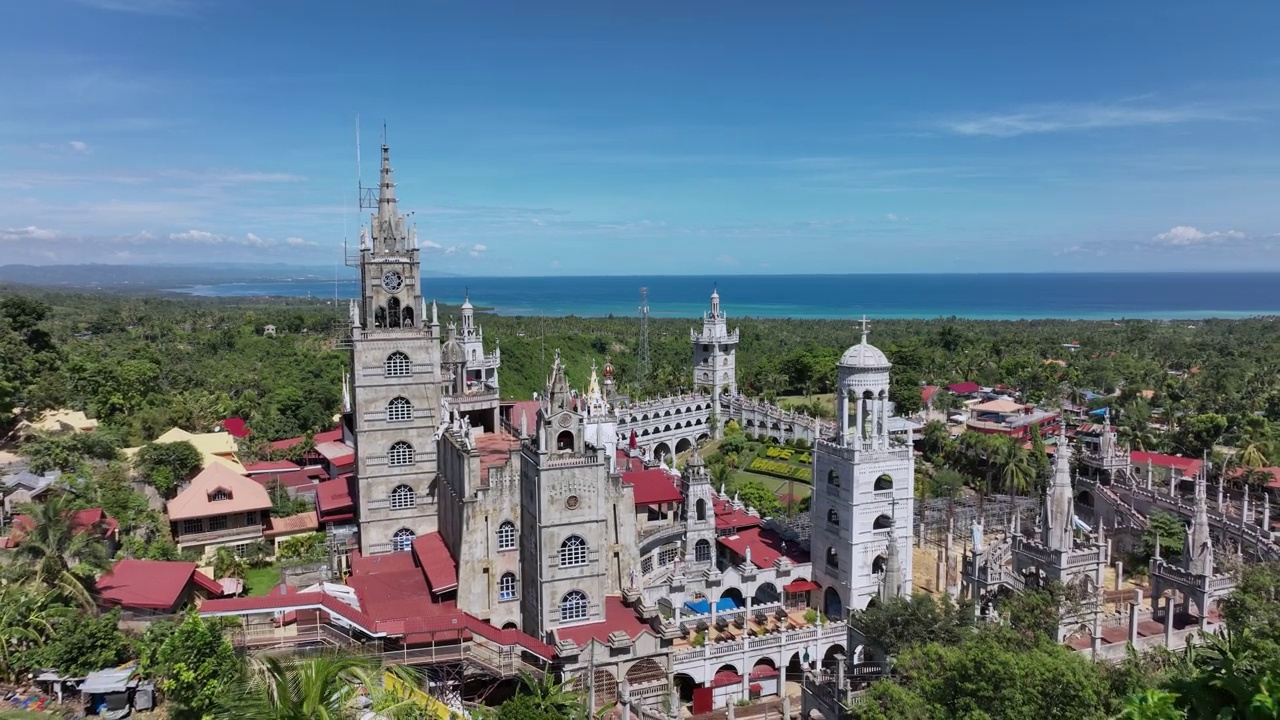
{"points": [[935, 516]]}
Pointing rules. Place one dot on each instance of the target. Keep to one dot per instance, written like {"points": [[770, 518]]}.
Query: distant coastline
{"points": [[1092, 296]]}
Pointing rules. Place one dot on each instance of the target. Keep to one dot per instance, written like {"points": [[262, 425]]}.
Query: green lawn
{"points": [[777, 485], [259, 581]]}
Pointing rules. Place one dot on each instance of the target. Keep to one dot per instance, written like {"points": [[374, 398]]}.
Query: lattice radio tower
{"points": [[643, 365]]}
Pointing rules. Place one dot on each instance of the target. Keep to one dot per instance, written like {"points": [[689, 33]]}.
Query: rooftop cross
{"points": [[864, 329]]}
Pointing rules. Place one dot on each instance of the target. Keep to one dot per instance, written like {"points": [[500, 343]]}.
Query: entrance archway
{"points": [[766, 592], [735, 595], [683, 445]]}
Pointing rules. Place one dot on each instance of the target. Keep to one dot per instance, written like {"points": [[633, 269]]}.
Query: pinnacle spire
{"points": [[1059, 510], [1198, 555], [891, 582]]}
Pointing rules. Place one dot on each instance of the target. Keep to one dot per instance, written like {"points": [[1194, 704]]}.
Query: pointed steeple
{"points": [[891, 582], [1059, 508], [1197, 556], [558, 396], [388, 226]]}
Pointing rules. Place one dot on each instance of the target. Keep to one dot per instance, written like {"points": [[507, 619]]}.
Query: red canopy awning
{"points": [[799, 586]]}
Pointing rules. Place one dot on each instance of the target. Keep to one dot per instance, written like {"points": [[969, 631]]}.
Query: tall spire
{"points": [[1059, 508], [1197, 557], [891, 582], [389, 225]]}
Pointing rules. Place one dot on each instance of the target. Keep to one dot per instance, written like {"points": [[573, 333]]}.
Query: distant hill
{"points": [[164, 276]]}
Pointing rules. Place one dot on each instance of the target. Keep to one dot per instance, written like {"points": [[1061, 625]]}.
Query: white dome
{"points": [[864, 355]]}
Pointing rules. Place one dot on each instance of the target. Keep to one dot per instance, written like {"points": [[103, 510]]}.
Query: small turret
{"points": [[1059, 508], [1197, 557]]}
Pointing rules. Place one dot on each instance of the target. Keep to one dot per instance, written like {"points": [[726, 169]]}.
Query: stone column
{"points": [[1119, 574], [1168, 621], [1134, 613], [786, 701], [624, 699], [1173, 484]]}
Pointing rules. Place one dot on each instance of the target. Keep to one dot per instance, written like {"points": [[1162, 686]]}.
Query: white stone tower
{"points": [[699, 513], [482, 369], [863, 491], [395, 392], [715, 352], [577, 519]]}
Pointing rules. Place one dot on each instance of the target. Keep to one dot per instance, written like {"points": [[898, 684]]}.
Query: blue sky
{"points": [[648, 137]]}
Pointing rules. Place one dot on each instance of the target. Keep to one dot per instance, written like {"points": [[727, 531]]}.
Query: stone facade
{"points": [[395, 388], [863, 491], [715, 352]]}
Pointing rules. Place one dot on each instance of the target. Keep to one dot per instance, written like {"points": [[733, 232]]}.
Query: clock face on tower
{"points": [[391, 281]]}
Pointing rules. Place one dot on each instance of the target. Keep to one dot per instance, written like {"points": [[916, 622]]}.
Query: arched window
{"points": [[573, 606], [702, 509], [399, 410], [403, 498], [393, 313], [702, 551], [882, 522], [507, 535], [407, 315], [833, 477], [884, 482], [402, 540], [833, 560], [401, 453], [833, 517], [507, 586], [397, 365], [564, 441], [877, 565], [573, 551]]}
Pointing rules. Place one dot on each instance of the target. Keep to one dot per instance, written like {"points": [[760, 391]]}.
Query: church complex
{"points": [[554, 535]]}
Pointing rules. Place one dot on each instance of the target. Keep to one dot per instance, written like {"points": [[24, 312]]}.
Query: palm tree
{"points": [[58, 553], [327, 687], [553, 697], [1016, 470], [25, 621], [1151, 705]]}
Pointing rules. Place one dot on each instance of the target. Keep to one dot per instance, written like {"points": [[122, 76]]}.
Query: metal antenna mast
{"points": [[644, 334]]}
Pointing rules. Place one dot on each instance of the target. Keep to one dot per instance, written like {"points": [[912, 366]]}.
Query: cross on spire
{"points": [[864, 329]]}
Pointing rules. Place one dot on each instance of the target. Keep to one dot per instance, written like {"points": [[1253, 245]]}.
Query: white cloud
{"points": [[474, 253], [891, 217], [726, 259], [555, 264], [255, 241], [296, 242], [429, 245], [479, 248], [79, 146], [31, 232], [1065, 118], [451, 250], [1186, 235], [198, 236]]}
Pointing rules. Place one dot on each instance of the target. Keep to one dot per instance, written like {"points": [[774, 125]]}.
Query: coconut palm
{"points": [[26, 620], [326, 687], [1015, 470], [553, 697], [58, 553]]}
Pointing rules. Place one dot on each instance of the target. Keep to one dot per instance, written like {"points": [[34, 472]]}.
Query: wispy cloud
{"points": [[79, 146], [1087, 116], [1184, 235], [142, 7]]}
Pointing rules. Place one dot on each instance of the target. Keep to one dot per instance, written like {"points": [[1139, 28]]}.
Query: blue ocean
{"points": [[1020, 296]]}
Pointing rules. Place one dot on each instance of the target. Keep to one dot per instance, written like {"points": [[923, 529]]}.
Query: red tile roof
{"points": [[626, 463], [1188, 466], [437, 562], [1274, 472], [334, 435], [964, 388], [617, 616], [301, 522], [152, 584], [927, 392], [653, 487], [766, 547]]}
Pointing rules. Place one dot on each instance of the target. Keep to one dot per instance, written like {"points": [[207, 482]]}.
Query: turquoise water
{"points": [[1024, 296]]}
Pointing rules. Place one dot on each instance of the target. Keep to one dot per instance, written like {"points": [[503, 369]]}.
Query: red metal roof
{"points": [[270, 466], [728, 518], [334, 435], [617, 617], [152, 584], [766, 547], [1188, 466], [652, 487], [797, 586], [964, 388], [334, 495], [298, 480], [725, 678], [80, 521], [448, 621], [927, 392], [437, 562]]}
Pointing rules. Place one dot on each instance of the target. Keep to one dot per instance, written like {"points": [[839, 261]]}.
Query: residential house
{"points": [[23, 487], [216, 448], [81, 520], [155, 587], [219, 508]]}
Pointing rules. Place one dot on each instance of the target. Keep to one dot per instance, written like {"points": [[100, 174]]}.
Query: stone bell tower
{"points": [[395, 390]]}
